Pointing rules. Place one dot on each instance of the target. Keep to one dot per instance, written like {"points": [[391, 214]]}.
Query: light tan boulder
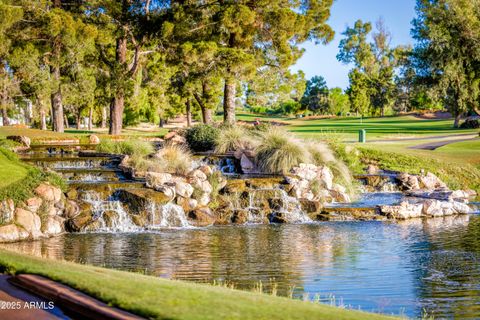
{"points": [[29, 221], [49, 192], [405, 210], [197, 175], [93, 139], [155, 179], [206, 169], [7, 209], [52, 226], [183, 189], [12, 233], [33, 204]]}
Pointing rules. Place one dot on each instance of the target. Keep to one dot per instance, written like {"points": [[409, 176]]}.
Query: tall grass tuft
{"points": [[321, 154], [232, 138], [132, 147], [171, 158], [278, 152]]}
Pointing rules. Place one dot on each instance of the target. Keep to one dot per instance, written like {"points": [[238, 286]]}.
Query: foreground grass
{"points": [[158, 298]]}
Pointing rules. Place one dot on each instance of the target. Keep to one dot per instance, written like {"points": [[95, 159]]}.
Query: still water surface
{"points": [[394, 268]]}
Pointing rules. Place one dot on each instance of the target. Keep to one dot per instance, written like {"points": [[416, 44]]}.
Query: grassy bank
{"points": [[167, 299], [18, 179]]}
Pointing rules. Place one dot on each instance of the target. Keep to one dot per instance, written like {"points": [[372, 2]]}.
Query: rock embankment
{"points": [[38, 217], [427, 196]]}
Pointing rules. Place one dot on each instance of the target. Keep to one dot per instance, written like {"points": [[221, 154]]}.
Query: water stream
{"points": [[394, 268]]}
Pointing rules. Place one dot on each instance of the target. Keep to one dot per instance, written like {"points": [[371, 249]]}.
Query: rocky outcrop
{"points": [[425, 208], [313, 182], [23, 140], [93, 139], [174, 138], [40, 216]]}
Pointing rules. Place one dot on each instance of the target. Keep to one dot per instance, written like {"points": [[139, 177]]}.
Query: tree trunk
{"points": [[206, 112], [104, 117], [189, 113], [66, 121], [43, 120], [6, 120], [456, 122], [90, 119], [78, 120], [207, 115], [229, 101], [57, 108], [118, 103], [162, 123]]}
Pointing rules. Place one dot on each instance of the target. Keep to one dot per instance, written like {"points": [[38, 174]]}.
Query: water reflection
{"points": [[376, 266]]}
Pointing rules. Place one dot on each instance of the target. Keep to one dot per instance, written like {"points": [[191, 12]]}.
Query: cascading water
{"points": [[167, 216], [227, 166], [110, 216], [286, 207]]}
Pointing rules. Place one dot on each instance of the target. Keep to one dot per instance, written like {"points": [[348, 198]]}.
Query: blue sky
{"points": [[321, 60]]}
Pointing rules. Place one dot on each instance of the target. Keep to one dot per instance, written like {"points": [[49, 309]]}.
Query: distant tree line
{"points": [[119, 62]]}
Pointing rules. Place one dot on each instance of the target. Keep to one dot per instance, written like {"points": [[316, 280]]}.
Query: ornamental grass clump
{"points": [[138, 148], [231, 138], [279, 153], [175, 159]]}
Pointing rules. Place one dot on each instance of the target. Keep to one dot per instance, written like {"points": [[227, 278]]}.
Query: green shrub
{"points": [[278, 152], [232, 138], [201, 137]]}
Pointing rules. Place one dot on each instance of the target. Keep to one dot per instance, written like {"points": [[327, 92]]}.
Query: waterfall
{"points": [[227, 166], [75, 164], [284, 206], [167, 216], [109, 215]]}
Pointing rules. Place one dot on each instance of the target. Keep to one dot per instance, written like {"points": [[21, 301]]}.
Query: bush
{"points": [[232, 138], [471, 124], [138, 148], [278, 153], [201, 137], [172, 159]]}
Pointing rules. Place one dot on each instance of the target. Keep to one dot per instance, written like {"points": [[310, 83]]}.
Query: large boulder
{"points": [[206, 169], [93, 139], [174, 137], [29, 221], [188, 204], [7, 210], [48, 192], [305, 171], [155, 179], [431, 182], [202, 217], [34, 203], [405, 210], [325, 176], [24, 140], [247, 164], [183, 189], [53, 226], [408, 182], [197, 175], [12, 233]]}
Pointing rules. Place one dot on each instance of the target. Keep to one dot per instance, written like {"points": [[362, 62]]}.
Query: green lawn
{"points": [[37, 136], [10, 171], [158, 298]]}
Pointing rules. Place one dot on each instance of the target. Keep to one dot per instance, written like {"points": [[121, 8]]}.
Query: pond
{"points": [[402, 268]]}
